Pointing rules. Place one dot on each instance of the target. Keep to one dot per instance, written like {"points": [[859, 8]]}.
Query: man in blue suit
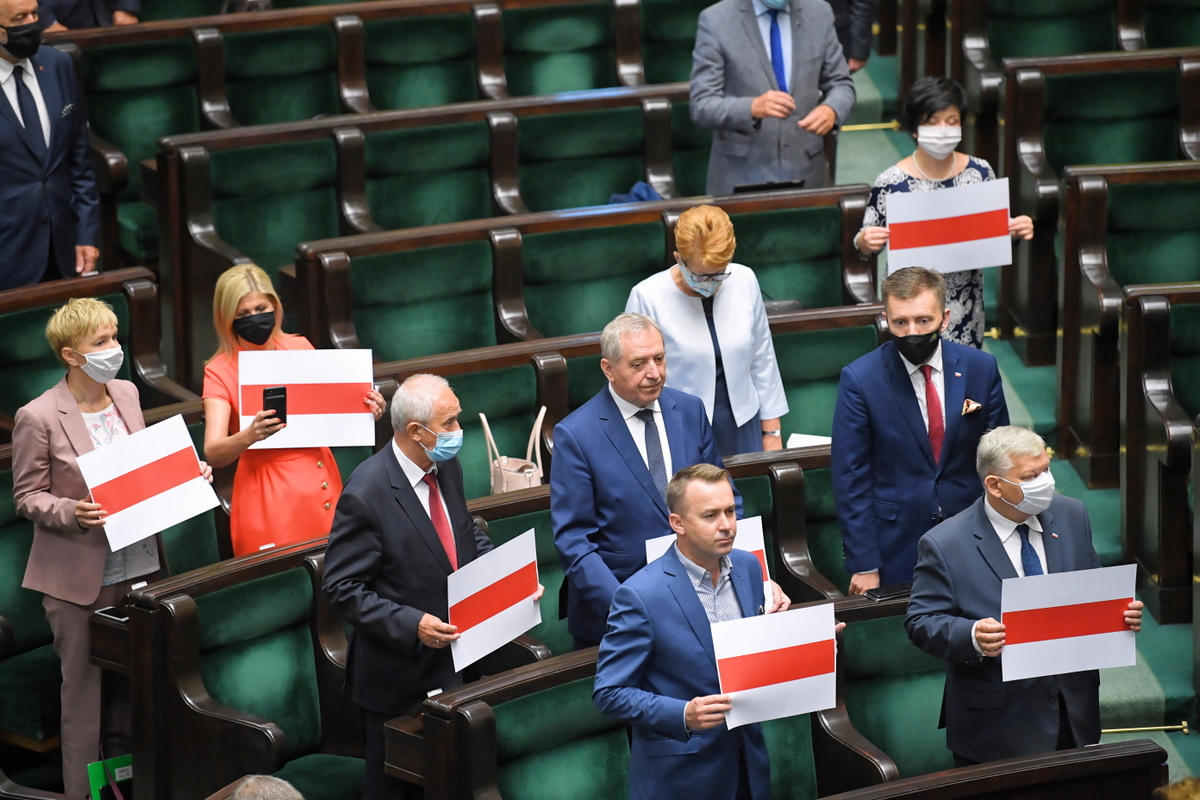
{"points": [[1017, 529], [49, 208], [657, 669], [895, 405]]}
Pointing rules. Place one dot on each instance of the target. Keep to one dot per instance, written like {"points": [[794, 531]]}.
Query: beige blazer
{"points": [[65, 561]]}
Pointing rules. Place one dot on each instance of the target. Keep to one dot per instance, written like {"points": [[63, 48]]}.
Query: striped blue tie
{"points": [[1029, 557], [777, 52], [654, 453]]}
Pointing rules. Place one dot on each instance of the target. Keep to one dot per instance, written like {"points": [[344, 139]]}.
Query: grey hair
{"points": [[610, 337], [266, 787], [413, 401], [999, 445]]}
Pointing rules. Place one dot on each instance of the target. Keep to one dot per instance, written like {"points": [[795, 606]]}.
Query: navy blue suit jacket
{"points": [[657, 655], [957, 582], [84, 13], [603, 503], [887, 488], [51, 202], [385, 568]]}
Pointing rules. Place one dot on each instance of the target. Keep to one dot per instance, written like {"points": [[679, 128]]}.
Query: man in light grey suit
{"points": [[770, 79]]}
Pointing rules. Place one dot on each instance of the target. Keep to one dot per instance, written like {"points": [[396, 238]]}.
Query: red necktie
{"points": [[437, 515], [933, 405]]}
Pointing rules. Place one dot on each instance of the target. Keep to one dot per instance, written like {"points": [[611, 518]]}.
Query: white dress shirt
{"points": [[1006, 529], [763, 15], [637, 428], [918, 381], [416, 479], [8, 82]]}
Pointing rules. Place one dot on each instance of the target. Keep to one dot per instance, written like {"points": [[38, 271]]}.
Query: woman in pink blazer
{"points": [[70, 561]]}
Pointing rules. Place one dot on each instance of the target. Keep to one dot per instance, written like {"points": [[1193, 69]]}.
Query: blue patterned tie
{"points": [[654, 453], [1029, 557], [29, 113], [777, 52]]}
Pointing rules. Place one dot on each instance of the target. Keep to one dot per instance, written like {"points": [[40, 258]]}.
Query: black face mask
{"points": [[919, 347], [23, 40], [255, 328]]}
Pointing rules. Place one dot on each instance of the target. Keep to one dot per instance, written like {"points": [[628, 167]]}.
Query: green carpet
{"points": [[1029, 390]]}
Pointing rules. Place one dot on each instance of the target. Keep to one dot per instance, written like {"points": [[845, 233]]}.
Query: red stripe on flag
{"points": [[311, 398], [770, 667], [1064, 622], [147, 481], [951, 230], [762, 560], [491, 600]]}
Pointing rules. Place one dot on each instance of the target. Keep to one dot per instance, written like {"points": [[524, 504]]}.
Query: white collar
{"points": [[934, 361], [412, 472], [7, 67], [1004, 526], [627, 408]]}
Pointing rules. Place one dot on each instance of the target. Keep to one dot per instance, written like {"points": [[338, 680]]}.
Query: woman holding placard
{"points": [[70, 561], [282, 495], [933, 115]]}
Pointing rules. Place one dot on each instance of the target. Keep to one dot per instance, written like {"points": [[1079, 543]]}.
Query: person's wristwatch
{"points": [[777, 433]]}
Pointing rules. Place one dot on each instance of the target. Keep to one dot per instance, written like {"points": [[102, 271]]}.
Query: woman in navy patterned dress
{"points": [[933, 114]]}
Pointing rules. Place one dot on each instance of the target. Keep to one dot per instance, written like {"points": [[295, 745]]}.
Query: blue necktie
{"points": [[29, 113], [777, 52], [1029, 557], [654, 453]]}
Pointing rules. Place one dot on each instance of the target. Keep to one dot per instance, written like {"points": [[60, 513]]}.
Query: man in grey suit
{"points": [[770, 79]]}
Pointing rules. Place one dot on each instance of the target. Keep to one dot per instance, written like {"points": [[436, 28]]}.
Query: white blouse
{"points": [[747, 352]]}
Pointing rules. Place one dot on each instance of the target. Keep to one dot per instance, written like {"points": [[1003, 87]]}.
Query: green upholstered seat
{"points": [[576, 281], [1185, 357], [28, 366], [551, 631], [193, 543], [668, 36], [579, 158], [269, 198], [136, 94], [793, 768], [1111, 117], [584, 380], [893, 694], [281, 75], [796, 253], [1153, 232], [322, 776], [555, 745], [414, 62], [1172, 23], [415, 303], [509, 399], [1050, 27], [564, 48], [428, 176], [690, 148]]}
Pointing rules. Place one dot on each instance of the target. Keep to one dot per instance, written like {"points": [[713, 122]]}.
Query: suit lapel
{"points": [[673, 422], [10, 116], [71, 420], [685, 594], [954, 388], [797, 20], [750, 596], [409, 502], [754, 35], [906, 399], [617, 432], [990, 546], [52, 97], [128, 407], [1051, 545]]}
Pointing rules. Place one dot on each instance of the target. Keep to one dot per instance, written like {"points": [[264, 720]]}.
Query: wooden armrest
{"points": [[109, 643], [505, 163], [150, 189], [111, 165], [508, 288], [352, 183], [351, 65], [657, 149], [858, 276], [628, 18], [845, 758], [489, 51], [519, 652]]}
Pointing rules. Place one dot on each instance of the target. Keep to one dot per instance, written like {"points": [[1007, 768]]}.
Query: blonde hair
{"points": [[703, 472], [71, 323], [234, 284], [1186, 789], [706, 232], [907, 283]]}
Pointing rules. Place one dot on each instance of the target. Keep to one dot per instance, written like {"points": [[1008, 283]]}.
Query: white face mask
{"points": [[938, 141], [1038, 494], [103, 365]]}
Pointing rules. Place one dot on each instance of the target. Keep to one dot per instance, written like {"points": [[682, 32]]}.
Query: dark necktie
{"points": [[437, 515], [1029, 558], [777, 52], [933, 406], [654, 453], [29, 112], [722, 389]]}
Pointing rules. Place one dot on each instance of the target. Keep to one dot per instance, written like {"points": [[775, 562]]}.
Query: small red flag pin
{"points": [[1054, 535], [958, 374]]}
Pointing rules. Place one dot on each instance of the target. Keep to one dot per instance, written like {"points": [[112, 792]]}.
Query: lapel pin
{"points": [[958, 374], [1054, 536]]}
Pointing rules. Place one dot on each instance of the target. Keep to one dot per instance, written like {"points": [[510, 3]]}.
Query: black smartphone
{"points": [[888, 592], [113, 613], [276, 397]]}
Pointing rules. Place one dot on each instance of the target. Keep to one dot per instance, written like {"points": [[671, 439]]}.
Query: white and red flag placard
{"points": [[325, 393], [1067, 622], [777, 665], [491, 599], [749, 538], [963, 227], [147, 482]]}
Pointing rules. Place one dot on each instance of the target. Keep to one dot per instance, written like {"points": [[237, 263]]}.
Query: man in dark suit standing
{"points": [[1020, 527], [400, 529], [61, 15], [613, 457], [49, 207], [907, 420], [852, 19]]}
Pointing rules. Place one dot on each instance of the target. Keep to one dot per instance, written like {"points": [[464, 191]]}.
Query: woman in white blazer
{"points": [[716, 334]]}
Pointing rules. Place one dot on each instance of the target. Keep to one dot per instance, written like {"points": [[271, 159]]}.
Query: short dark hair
{"points": [[928, 96], [705, 473]]}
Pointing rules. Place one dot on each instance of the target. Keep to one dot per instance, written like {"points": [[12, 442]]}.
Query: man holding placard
{"points": [[1019, 529], [657, 666]]}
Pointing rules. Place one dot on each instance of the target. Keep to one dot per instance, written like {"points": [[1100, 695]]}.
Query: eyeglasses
{"points": [[715, 277]]}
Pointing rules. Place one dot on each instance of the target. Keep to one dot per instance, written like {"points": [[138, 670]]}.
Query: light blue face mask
{"points": [[778, 5], [706, 285], [448, 445]]}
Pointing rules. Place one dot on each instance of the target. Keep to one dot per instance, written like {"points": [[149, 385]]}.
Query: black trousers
{"points": [[377, 784], [1066, 738]]}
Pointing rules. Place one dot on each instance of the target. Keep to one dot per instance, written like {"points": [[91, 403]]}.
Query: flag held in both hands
{"points": [[147, 482], [963, 227], [777, 665], [1067, 622], [325, 393], [749, 538], [491, 599]]}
